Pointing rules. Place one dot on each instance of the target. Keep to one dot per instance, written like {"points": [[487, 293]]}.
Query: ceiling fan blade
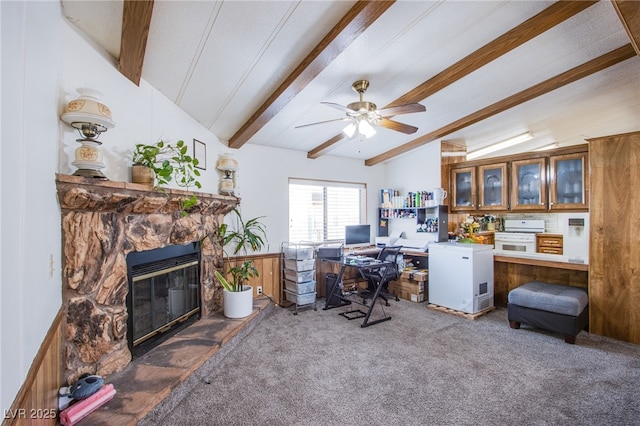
{"points": [[322, 122], [337, 106], [401, 109], [394, 125]]}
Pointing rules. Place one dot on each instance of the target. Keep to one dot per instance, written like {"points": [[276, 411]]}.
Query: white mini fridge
{"points": [[461, 276]]}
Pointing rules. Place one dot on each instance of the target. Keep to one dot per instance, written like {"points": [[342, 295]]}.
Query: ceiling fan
{"points": [[363, 115]]}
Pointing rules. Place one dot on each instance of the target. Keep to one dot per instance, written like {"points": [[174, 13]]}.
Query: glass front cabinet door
{"points": [[463, 183], [493, 187], [528, 185], [568, 186]]}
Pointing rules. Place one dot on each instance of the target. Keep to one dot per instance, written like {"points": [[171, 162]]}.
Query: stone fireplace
{"points": [[104, 221]]}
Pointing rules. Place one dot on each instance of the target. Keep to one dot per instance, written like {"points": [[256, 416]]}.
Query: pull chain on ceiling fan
{"points": [[364, 115]]}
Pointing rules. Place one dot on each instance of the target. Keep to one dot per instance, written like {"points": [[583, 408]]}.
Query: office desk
{"points": [[348, 299]]}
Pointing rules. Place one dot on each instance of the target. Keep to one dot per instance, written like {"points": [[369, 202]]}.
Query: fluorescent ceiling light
{"points": [[453, 153], [500, 145], [547, 147]]}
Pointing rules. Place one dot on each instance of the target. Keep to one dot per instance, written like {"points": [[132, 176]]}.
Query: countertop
{"points": [[536, 259], [541, 259]]}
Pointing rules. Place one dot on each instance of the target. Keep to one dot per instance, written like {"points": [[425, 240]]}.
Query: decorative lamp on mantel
{"points": [[90, 117], [228, 166]]}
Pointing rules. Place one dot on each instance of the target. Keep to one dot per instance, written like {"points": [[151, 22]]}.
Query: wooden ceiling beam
{"points": [[517, 36], [136, 20], [347, 30], [595, 65], [629, 14]]}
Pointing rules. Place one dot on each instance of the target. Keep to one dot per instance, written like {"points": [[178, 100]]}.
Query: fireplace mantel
{"points": [[103, 221]]}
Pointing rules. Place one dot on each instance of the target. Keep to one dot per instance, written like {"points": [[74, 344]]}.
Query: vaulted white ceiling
{"points": [[221, 61]]}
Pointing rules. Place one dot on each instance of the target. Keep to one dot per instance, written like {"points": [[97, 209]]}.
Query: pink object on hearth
{"points": [[83, 408]]}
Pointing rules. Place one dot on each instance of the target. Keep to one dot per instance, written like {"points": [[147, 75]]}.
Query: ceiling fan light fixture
{"points": [[350, 130], [500, 145], [366, 129]]}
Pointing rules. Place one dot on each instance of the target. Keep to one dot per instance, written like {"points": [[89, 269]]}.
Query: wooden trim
{"points": [[595, 65], [629, 14], [517, 36], [39, 392], [539, 262], [347, 30], [136, 20]]}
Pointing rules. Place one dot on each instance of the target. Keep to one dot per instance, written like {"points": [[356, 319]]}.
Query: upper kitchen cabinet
{"points": [[463, 185], [492, 187], [568, 186], [528, 191]]}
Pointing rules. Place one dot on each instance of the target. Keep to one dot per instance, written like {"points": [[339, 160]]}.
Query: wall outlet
{"points": [[259, 290]]}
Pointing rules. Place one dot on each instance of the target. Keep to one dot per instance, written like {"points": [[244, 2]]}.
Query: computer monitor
{"points": [[357, 235]]}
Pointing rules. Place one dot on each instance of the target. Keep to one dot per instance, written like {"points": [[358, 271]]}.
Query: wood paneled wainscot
{"points": [[268, 266], [614, 252], [37, 400]]}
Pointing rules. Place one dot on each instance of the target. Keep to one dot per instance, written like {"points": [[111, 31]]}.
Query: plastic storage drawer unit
{"points": [[302, 299], [301, 288], [300, 265], [299, 277]]}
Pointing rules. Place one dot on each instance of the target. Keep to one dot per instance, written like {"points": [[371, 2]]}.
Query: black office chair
{"points": [[382, 276]]}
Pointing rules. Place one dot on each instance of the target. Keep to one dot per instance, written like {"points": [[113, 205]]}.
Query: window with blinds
{"points": [[319, 210]]}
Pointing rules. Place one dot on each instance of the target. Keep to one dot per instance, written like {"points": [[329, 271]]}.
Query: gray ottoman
{"points": [[557, 308]]}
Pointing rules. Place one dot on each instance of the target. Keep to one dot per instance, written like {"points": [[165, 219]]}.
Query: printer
{"points": [[415, 244], [388, 241], [330, 251]]}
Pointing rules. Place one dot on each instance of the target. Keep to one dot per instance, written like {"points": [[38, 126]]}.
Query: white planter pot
{"points": [[238, 304]]}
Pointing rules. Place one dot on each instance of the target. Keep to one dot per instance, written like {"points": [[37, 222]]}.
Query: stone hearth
{"points": [[102, 221]]}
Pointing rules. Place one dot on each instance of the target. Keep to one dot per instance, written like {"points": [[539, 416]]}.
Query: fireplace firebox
{"points": [[164, 294]]}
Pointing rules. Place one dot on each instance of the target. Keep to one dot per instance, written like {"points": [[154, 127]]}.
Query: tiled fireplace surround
{"points": [[103, 221]]}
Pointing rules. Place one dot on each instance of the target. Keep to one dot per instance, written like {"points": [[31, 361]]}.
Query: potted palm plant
{"points": [[237, 241]]}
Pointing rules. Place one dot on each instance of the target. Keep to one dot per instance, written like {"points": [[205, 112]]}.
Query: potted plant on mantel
{"points": [[161, 162], [246, 235]]}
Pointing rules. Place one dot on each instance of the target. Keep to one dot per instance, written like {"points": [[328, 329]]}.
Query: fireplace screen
{"points": [[164, 293]]}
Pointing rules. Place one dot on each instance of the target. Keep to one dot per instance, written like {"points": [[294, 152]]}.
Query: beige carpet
{"points": [[421, 367]]}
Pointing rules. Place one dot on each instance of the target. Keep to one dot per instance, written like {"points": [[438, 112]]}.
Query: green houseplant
{"points": [[150, 157], [237, 241], [167, 162]]}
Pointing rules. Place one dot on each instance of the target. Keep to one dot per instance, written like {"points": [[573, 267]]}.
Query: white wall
{"points": [[418, 170], [41, 71], [29, 219]]}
